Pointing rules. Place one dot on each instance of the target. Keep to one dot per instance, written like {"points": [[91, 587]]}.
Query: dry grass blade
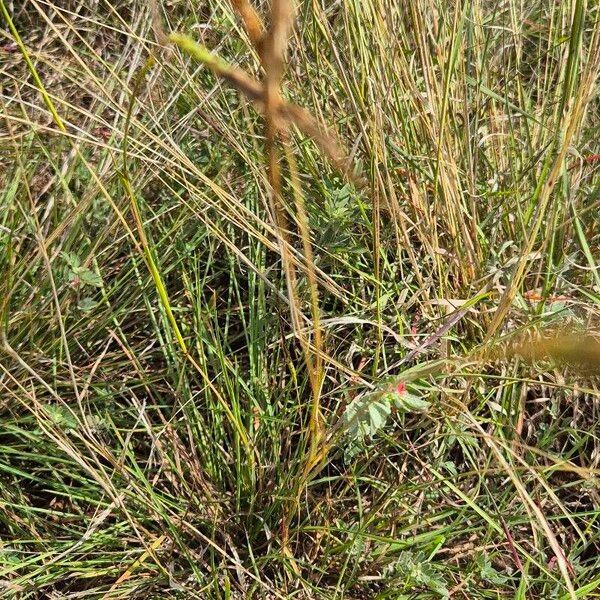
{"points": [[251, 20], [581, 351], [275, 42]]}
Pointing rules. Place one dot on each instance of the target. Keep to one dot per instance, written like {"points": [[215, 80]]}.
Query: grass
{"points": [[202, 282]]}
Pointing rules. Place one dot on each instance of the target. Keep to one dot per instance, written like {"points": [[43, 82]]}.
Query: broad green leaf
{"points": [[378, 414], [72, 260], [411, 403], [488, 573], [89, 277], [87, 304]]}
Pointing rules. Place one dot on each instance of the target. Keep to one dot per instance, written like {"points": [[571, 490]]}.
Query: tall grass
{"points": [[224, 224]]}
